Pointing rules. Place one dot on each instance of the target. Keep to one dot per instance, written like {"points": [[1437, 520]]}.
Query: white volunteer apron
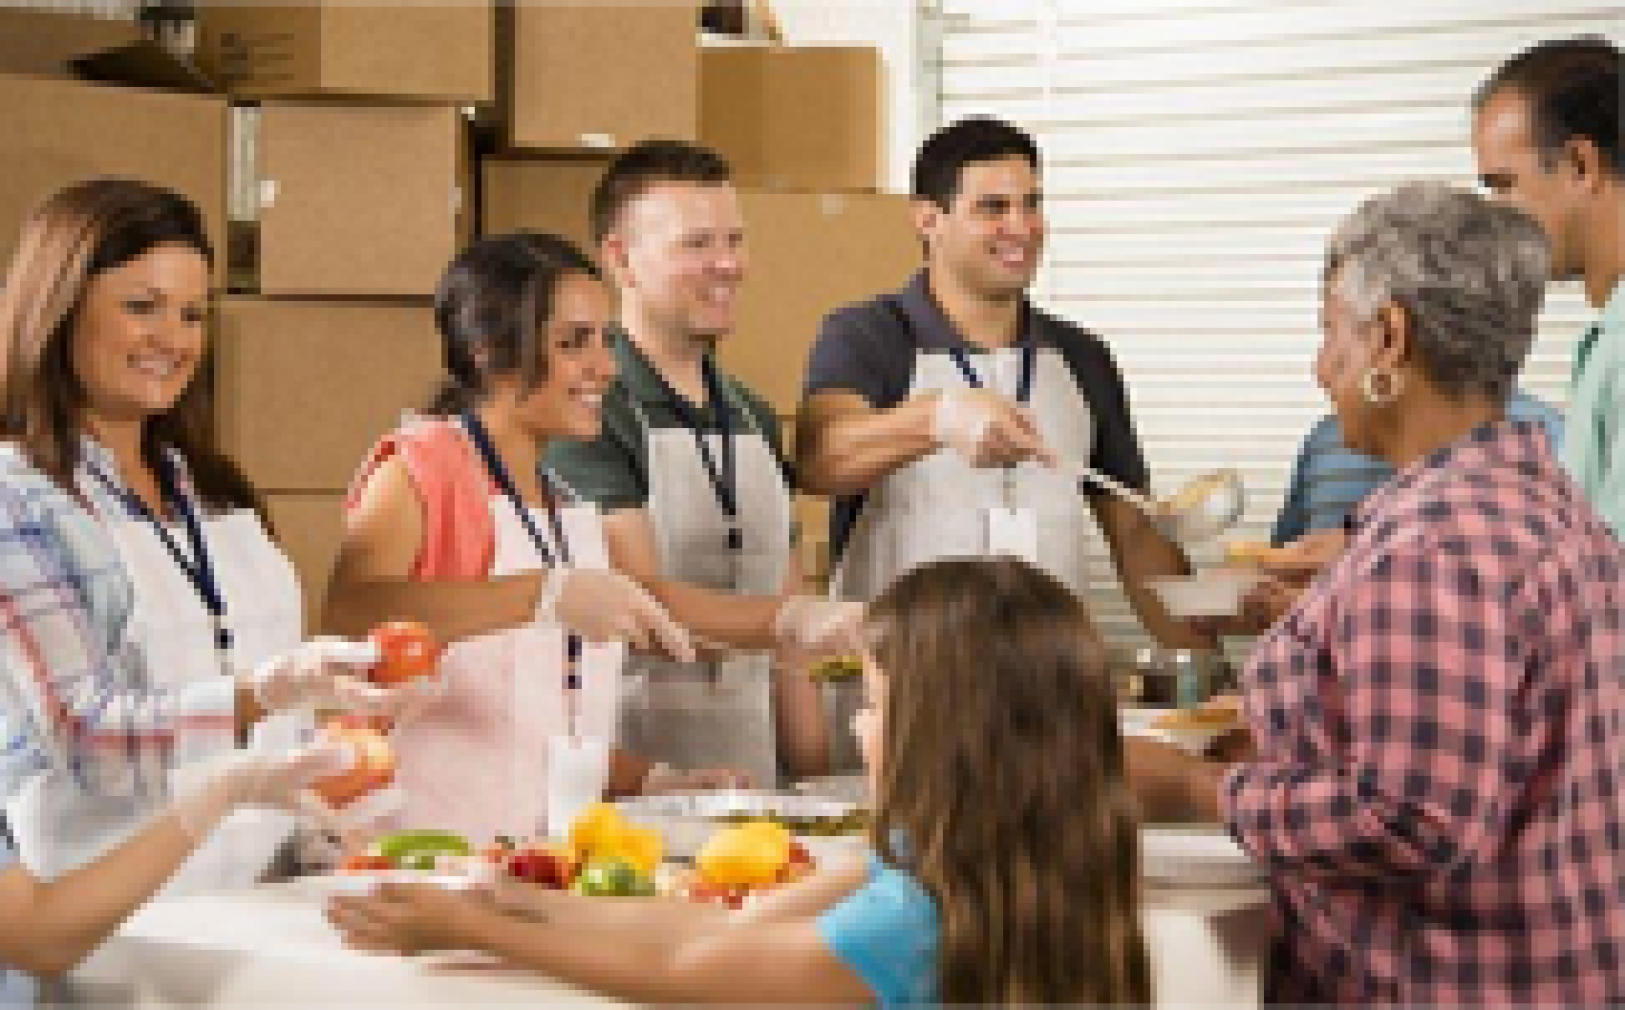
{"points": [[58, 825], [712, 715], [474, 760], [936, 507]]}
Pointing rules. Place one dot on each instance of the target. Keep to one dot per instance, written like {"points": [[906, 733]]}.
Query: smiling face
{"points": [[568, 402], [140, 333], [679, 251], [991, 237]]}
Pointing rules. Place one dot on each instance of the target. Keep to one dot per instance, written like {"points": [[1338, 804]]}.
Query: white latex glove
{"points": [[663, 778], [988, 430], [322, 673], [273, 781], [602, 605], [810, 628]]}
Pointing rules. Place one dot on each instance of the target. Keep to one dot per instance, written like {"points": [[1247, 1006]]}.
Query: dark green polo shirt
{"points": [[613, 471]]}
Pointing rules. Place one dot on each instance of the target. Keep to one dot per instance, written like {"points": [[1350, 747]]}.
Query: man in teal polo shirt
{"points": [[1546, 135]]}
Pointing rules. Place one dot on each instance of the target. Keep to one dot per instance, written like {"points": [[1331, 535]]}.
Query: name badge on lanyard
{"points": [[723, 475], [198, 567], [573, 643], [1010, 530]]}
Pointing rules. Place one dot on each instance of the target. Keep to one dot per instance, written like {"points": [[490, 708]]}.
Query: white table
{"points": [[272, 946]]}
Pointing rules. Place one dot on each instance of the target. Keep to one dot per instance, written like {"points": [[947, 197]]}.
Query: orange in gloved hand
{"points": [[374, 765]]}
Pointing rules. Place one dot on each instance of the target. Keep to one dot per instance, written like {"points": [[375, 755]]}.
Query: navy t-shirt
{"points": [[870, 349]]}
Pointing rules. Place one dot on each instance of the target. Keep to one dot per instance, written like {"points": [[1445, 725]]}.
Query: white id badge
{"points": [[1013, 532]]}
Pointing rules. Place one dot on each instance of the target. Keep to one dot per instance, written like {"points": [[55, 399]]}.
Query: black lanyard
{"points": [[724, 477], [504, 480], [1024, 385], [199, 568]]}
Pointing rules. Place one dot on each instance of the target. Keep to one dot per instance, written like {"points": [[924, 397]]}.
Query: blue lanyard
{"points": [[199, 568], [1024, 385], [504, 480], [723, 476]]}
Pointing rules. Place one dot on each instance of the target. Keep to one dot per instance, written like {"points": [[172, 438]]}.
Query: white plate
{"points": [[841, 788], [1211, 592], [327, 885], [687, 820], [1190, 739], [1195, 856]]}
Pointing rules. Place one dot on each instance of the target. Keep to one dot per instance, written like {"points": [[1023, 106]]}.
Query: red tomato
{"points": [[407, 649]]}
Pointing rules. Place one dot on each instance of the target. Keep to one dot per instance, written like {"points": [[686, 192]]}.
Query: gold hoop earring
{"points": [[1380, 386]]}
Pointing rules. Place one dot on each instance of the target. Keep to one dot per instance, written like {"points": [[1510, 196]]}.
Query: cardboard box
{"points": [[44, 43], [309, 529], [427, 50], [304, 389], [350, 199], [795, 118], [550, 196], [809, 255], [59, 132], [578, 75]]}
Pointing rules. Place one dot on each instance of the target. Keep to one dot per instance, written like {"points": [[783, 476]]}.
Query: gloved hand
{"points": [[249, 779], [809, 628], [602, 605], [988, 430], [321, 673]]}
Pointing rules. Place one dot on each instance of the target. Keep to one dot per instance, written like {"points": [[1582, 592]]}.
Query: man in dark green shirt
{"points": [[692, 477]]}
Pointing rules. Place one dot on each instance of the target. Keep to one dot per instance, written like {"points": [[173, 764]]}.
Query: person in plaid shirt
{"points": [[1436, 753], [101, 336]]}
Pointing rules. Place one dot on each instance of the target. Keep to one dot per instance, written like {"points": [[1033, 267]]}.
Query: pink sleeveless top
{"points": [[459, 540]]}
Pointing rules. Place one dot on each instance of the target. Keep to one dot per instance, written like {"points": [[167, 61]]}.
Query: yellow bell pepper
{"points": [[747, 855]]}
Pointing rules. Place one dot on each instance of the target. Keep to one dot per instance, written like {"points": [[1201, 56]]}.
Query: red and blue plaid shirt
{"points": [[75, 692], [1437, 788]]}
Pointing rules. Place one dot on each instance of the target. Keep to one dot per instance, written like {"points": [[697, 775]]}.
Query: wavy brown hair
{"points": [[76, 235], [1001, 787]]}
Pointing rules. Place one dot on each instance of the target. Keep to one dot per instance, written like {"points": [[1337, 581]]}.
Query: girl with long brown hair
{"points": [[1004, 864]]}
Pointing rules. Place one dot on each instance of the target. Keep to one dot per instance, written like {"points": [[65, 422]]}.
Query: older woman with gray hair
{"points": [[1435, 775]]}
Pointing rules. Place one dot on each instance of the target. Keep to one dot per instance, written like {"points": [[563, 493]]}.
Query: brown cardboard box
{"points": [[308, 528], [797, 118], [354, 200], [303, 389], [45, 42], [810, 254], [578, 75], [428, 50], [550, 196], [58, 132]]}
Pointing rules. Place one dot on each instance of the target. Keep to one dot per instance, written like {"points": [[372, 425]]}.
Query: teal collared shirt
{"points": [[1594, 447]]}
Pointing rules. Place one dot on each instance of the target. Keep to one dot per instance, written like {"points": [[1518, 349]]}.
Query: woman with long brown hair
{"points": [[1004, 865], [151, 627]]}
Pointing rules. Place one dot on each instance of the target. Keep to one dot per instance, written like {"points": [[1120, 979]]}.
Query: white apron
{"points": [[936, 507], [58, 826], [712, 715], [474, 760]]}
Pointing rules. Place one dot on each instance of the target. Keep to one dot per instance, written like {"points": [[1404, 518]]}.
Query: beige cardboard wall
{"points": [[304, 388], [795, 118], [355, 200], [594, 76], [406, 49], [57, 132], [308, 529]]}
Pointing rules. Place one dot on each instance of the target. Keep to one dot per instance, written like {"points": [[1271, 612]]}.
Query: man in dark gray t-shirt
{"points": [[950, 418]]}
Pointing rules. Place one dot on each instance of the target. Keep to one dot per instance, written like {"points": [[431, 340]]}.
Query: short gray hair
{"points": [[1470, 274]]}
